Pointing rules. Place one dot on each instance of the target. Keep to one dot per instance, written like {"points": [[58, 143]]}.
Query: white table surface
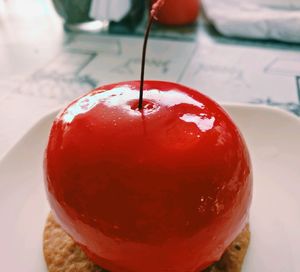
{"points": [[42, 68]]}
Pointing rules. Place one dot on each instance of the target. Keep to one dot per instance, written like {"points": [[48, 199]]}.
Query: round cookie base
{"points": [[62, 254]]}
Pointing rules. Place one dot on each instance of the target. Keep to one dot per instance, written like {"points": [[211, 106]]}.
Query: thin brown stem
{"points": [[151, 19]]}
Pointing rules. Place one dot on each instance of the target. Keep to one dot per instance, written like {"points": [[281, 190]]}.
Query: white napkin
{"points": [[110, 10], [259, 19]]}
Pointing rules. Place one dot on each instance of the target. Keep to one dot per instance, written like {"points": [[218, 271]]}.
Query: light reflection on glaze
{"points": [[120, 96], [202, 121]]}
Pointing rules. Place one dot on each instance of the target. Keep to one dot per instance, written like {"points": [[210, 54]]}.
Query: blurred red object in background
{"points": [[178, 12]]}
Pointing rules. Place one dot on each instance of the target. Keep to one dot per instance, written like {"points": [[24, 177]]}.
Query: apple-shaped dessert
{"points": [[152, 180], [167, 188], [179, 12]]}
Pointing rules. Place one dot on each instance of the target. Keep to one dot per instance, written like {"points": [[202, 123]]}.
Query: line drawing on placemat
{"points": [[283, 66], [298, 86], [60, 79], [97, 44], [129, 66]]}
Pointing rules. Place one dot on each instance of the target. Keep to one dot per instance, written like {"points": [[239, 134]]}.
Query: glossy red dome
{"points": [[166, 189], [179, 12]]}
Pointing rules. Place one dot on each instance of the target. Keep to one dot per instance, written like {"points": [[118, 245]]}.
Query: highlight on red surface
{"points": [[156, 7]]}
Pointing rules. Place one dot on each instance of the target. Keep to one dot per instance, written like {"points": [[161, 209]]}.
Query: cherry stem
{"points": [[151, 19], [152, 16]]}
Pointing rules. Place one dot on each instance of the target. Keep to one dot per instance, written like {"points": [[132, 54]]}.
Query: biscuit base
{"points": [[62, 254]]}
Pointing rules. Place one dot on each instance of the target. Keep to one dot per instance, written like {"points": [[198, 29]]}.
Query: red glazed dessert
{"points": [[178, 12], [165, 188]]}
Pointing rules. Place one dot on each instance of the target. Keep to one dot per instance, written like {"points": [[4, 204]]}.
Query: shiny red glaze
{"points": [[179, 12], [166, 189]]}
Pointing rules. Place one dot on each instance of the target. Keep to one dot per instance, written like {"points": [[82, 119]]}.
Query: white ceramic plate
{"points": [[273, 137]]}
